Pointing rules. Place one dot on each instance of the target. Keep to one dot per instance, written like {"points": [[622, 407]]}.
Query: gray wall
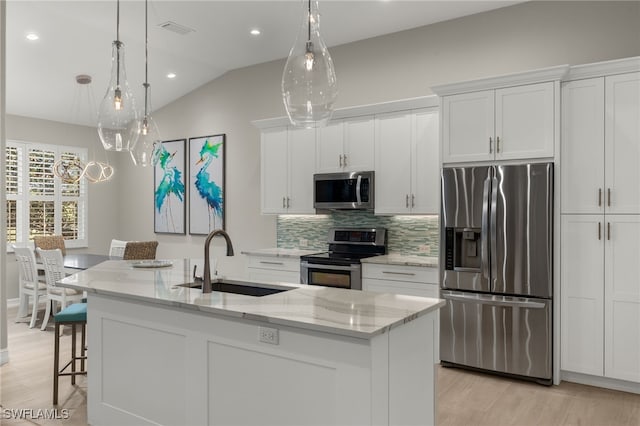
{"points": [[397, 66]]}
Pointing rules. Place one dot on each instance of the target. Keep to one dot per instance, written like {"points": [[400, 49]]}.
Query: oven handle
{"points": [[358, 182], [305, 264]]}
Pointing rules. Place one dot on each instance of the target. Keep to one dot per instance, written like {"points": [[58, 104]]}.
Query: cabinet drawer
{"points": [[277, 263], [400, 287], [416, 274]]}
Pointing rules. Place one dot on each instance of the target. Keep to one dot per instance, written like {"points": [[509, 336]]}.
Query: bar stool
{"points": [[73, 315]]}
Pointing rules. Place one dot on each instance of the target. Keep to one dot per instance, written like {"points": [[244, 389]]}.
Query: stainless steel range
{"points": [[340, 266]]}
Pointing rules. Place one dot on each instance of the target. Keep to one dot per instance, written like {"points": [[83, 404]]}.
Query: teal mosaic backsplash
{"points": [[409, 235]]}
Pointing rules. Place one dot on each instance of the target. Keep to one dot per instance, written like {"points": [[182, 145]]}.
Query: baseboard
{"points": [[4, 356], [601, 382]]}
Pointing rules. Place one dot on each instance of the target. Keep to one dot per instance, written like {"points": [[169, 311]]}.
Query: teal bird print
{"points": [[207, 188], [170, 183]]}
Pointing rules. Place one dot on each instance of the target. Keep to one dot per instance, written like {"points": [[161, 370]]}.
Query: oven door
{"points": [[338, 276]]}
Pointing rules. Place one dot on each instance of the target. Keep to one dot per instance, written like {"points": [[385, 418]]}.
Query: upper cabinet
{"points": [[601, 145], [507, 120], [345, 145], [407, 163], [287, 167]]}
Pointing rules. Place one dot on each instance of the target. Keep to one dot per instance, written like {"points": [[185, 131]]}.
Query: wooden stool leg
{"points": [[56, 360], [84, 345], [73, 353]]}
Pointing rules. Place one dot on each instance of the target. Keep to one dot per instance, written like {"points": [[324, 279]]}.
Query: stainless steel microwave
{"points": [[343, 191]]}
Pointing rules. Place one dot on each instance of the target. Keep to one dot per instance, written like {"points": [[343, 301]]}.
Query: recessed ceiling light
{"points": [[32, 36], [171, 75], [255, 32]]}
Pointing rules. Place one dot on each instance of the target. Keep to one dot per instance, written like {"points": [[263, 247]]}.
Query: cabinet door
{"points": [[583, 146], [468, 127], [582, 275], [393, 157], [622, 143], [622, 298], [425, 163], [525, 121], [359, 144], [302, 146], [329, 147], [273, 148]]}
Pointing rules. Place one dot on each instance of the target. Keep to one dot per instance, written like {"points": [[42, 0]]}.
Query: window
{"points": [[38, 202]]}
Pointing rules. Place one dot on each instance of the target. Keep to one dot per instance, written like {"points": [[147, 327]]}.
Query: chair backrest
{"points": [[117, 248], [50, 242], [53, 265], [140, 250], [27, 264]]}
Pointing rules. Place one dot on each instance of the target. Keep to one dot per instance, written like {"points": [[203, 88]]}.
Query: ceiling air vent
{"points": [[176, 28]]}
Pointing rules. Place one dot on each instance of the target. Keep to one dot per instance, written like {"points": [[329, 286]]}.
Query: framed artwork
{"points": [[169, 174], [206, 183]]}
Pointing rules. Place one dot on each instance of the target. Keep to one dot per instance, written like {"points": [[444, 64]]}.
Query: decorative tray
{"points": [[151, 263]]}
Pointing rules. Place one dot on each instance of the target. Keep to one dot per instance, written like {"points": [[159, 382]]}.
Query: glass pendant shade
{"points": [[309, 87], [147, 140], [117, 111]]}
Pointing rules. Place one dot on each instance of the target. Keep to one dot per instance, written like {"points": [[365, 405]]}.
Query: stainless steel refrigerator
{"points": [[496, 269]]}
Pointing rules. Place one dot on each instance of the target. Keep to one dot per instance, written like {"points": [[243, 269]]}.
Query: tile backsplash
{"points": [[414, 235]]}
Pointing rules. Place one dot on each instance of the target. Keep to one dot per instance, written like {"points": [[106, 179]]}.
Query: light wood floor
{"points": [[464, 398]]}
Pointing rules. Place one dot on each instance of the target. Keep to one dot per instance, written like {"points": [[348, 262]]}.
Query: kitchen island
{"points": [[160, 353]]}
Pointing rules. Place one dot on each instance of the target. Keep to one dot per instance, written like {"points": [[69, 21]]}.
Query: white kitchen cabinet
{"points": [[407, 163], [503, 124], [273, 269], [288, 163], [600, 302], [601, 145], [400, 279], [345, 145]]}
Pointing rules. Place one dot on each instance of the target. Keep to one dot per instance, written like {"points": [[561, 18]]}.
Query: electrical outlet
{"points": [[303, 242], [425, 248], [269, 335]]}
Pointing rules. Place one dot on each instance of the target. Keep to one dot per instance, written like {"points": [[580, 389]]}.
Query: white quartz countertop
{"points": [[352, 313], [279, 252], [405, 260]]}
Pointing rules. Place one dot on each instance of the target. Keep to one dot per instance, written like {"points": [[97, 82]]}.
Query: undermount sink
{"points": [[247, 290]]}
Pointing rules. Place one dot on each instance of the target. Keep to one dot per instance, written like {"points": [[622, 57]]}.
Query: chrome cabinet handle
{"points": [[288, 205], [599, 231], [283, 203], [490, 145], [344, 160], [498, 144], [413, 200], [599, 197], [608, 230], [340, 162], [608, 197], [398, 273], [406, 202], [271, 263]]}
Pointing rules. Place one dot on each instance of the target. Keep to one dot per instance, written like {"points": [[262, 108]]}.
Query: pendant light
{"points": [[309, 87], [71, 171], [148, 134], [117, 110]]}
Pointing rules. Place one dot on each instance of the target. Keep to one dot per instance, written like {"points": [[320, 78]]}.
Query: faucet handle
{"points": [[195, 277]]}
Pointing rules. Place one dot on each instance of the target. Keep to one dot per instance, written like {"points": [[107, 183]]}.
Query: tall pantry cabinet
{"points": [[600, 208]]}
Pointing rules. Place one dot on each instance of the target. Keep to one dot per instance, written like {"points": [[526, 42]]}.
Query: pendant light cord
{"points": [[309, 23], [118, 43], [146, 56]]}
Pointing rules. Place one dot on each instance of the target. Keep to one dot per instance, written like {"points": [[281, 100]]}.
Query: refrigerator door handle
{"points": [[493, 300], [493, 229], [484, 230]]}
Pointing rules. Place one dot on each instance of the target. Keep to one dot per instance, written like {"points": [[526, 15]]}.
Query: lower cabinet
{"points": [[270, 268], [410, 280], [600, 302]]}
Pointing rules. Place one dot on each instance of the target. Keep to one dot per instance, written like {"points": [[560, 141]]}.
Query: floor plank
{"points": [[463, 397]]}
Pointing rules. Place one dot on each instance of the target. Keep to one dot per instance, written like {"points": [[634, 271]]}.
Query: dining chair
{"points": [[30, 285], [140, 250], [54, 272], [117, 248], [50, 242]]}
